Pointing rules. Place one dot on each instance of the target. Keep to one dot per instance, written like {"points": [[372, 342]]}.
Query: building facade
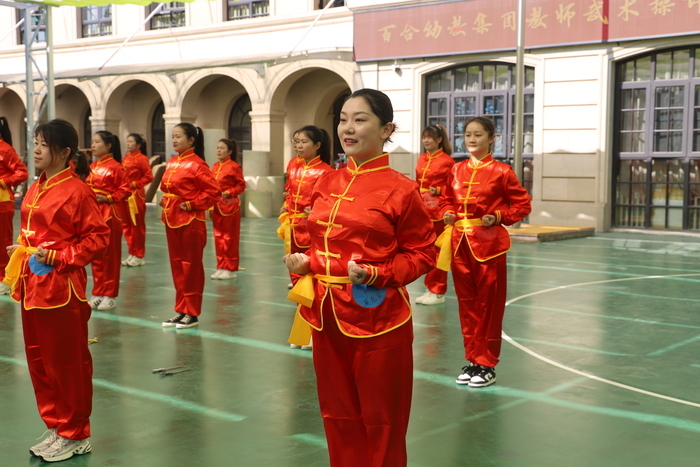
{"points": [[612, 87]]}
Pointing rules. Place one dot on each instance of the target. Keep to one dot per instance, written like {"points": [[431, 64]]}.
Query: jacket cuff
{"points": [[51, 257]]}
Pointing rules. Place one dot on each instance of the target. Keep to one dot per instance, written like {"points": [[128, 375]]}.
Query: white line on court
{"points": [[507, 338]]}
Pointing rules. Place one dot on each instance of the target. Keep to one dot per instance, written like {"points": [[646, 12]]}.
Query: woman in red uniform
{"points": [[226, 215], [12, 173], [432, 174], [108, 180], [190, 190], [138, 174], [483, 195], [370, 236], [313, 149], [62, 231]]}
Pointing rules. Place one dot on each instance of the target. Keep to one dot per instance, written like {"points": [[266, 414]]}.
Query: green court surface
{"points": [[600, 366]]}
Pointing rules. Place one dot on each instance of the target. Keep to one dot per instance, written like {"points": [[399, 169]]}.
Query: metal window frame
{"points": [[101, 20], [685, 156], [230, 3]]}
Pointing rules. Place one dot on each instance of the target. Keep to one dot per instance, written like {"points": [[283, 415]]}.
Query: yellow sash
{"points": [[284, 231], [133, 207], [4, 195], [444, 242], [303, 292], [12, 270]]}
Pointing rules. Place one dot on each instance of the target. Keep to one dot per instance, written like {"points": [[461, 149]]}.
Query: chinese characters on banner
{"points": [[481, 25]]}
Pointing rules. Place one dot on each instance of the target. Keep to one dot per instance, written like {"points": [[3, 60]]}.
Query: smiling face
{"points": [[181, 142], [478, 140], [304, 146], [222, 151], [99, 147], [430, 143], [360, 131]]}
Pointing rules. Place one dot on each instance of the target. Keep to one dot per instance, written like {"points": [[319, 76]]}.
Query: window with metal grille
{"points": [[172, 15], [242, 9], [95, 21], [657, 141], [486, 89]]}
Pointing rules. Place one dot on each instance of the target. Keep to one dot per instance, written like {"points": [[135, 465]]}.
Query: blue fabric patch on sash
{"points": [[40, 269], [368, 296]]}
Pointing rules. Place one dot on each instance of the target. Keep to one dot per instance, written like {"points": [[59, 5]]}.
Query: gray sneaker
{"points": [[37, 449], [64, 448]]}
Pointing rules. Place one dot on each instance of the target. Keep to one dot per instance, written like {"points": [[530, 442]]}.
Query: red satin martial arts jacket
{"points": [[138, 172], [108, 178], [374, 216], [12, 173], [301, 179], [64, 218], [187, 180], [489, 188], [230, 178], [433, 170]]}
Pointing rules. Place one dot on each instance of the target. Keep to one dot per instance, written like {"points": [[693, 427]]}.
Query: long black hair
{"points": [[193, 131], [59, 135], [5, 132], [318, 135], [111, 139], [141, 141]]}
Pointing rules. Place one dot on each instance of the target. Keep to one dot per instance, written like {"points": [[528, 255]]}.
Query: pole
{"points": [[519, 95]]}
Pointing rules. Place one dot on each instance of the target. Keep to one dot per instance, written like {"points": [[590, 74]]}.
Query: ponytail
{"points": [[5, 132], [82, 165], [193, 131]]}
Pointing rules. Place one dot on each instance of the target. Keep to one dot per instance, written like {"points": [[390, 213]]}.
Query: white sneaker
{"points": [[135, 261], [308, 346], [64, 448], [107, 303], [216, 274], [433, 299], [422, 297], [290, 286], [294, 346], [4, 289], [225, 275], [95, 300], [126, 261], [37, 449]]}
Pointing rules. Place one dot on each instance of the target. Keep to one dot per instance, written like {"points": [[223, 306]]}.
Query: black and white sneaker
{"points": [[467, 373], [172, 322], [187, 321], [482, 377]]}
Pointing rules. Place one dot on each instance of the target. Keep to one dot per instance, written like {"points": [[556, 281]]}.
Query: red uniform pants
{"points": [[60, 366], [481, 292], [5, 239], [364, 390], [186, 248], [135, 235], [436, 280], [106, 269], [227, 236]]}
